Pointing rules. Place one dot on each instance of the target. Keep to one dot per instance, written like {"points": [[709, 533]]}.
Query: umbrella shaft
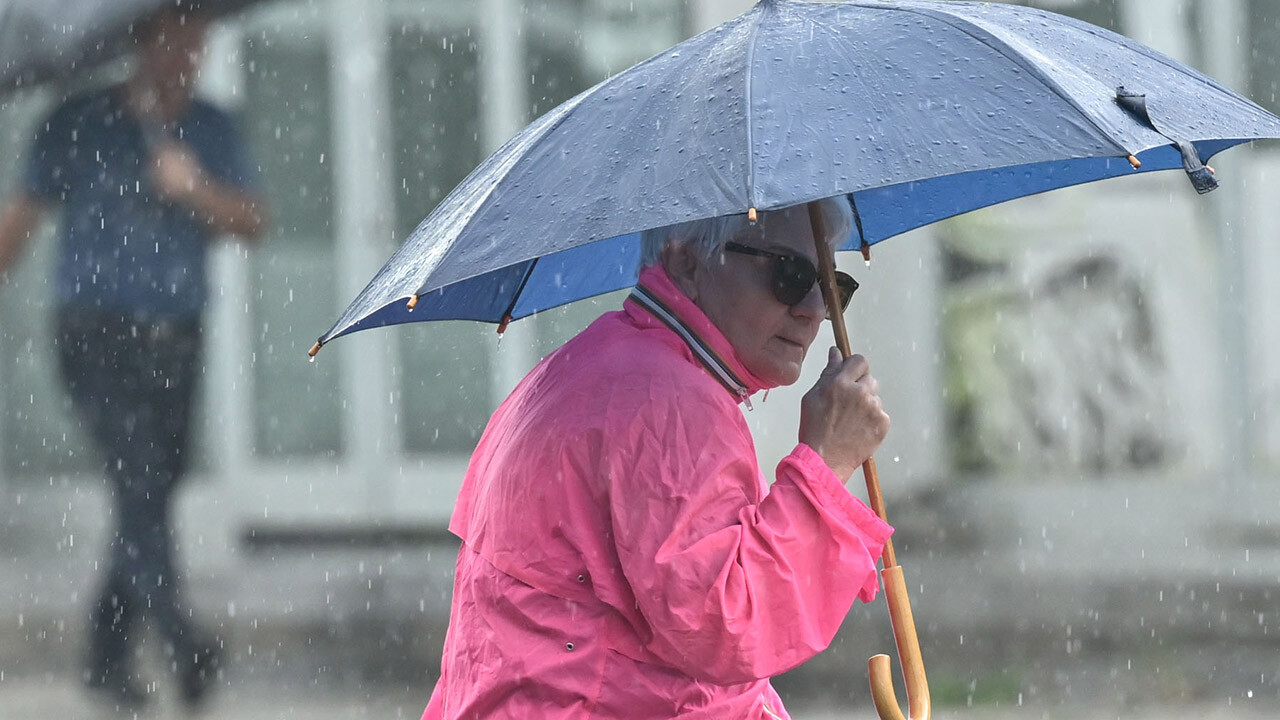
{"points": [[877, 504], [827, 278]]}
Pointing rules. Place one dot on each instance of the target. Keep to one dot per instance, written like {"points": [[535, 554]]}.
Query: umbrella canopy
{"points": [[916, 110], [51, 40]]}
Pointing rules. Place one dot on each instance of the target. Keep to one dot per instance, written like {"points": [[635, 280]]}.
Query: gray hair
{"points": [[708, 235]]}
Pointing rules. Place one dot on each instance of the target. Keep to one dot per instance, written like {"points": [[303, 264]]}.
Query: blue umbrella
{"points": [[916, 110]]}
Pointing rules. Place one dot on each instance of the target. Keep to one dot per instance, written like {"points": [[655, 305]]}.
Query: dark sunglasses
{"points": [[794, 276]]}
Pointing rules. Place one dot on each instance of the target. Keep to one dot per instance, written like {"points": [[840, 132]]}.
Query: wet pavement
{"points": [[355, 633], [46, 697]]}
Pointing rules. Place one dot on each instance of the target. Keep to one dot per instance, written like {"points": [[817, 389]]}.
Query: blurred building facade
{"points": [[1080, 383], [362, 117]]}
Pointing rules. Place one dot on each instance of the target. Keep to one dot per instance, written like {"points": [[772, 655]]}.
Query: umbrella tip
{"points": [[866, 253], [413, 302], [311, 354], [751, 215], [502, 326], [1135, 162]]}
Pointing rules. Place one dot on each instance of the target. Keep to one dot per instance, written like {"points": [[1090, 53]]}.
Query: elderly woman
{"points": [[622, 554]]}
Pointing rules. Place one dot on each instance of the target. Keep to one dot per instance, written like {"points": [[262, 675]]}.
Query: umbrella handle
{"points": [[895, 586], [904, 632]]}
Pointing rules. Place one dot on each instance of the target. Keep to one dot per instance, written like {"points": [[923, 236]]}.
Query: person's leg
{"points": [[89, 353], [133, 385], [173, 371], [113, 618]]}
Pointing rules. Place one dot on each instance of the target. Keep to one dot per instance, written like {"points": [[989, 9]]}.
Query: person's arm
{"points": [[733, 583], [18, 220], [179, 178]]}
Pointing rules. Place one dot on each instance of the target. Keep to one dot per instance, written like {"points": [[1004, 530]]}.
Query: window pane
{"points": [[1264, 56], [558, 325], [446, 368], [287, 124], [435, 125], [39, 435], [1103, 13], [555, 67], [560, 69], [435, 105]]}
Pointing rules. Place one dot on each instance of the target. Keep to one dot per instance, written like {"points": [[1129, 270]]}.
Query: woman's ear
{"points": [[681, 264]]}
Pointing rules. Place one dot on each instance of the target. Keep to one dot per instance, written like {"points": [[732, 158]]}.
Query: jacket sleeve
{"points": [[735, 582]]}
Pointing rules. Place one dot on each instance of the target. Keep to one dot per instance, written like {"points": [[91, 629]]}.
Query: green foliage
{"points": [[995, 688]]}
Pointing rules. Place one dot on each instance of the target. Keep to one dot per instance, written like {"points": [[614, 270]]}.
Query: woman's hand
{"points": [[841, 417]]}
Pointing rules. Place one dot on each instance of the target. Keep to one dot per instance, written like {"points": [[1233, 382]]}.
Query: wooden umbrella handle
{"points": [[895, 586], [908, 642]]}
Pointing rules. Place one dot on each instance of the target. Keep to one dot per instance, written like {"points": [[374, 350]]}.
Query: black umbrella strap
{"points": [[863, 245], [1201, 176]]}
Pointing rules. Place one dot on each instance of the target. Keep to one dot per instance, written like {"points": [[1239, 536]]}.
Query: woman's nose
{"points": [[812, 305]]}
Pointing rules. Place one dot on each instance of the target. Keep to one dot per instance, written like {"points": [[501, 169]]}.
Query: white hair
{"points": [[707, 236]]}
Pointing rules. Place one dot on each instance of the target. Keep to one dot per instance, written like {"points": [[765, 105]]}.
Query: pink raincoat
{"points": [[623, 555]]}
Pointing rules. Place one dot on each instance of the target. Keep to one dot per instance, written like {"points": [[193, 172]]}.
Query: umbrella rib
{"points": [[573, 105], [515, 298], [1155, 56], [352, 316], [748, 100], [998, 45]]}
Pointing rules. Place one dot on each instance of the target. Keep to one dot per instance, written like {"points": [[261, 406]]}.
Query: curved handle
{"points": [[904, 633]]}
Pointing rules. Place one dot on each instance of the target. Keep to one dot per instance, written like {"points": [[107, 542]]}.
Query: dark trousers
{"points": [[132, 385]]}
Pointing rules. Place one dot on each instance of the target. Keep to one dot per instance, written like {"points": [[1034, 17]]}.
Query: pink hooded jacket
{"points": [[622, 554]]}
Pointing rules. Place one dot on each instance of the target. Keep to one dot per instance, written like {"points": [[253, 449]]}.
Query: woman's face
{"points": [[735, 292]]}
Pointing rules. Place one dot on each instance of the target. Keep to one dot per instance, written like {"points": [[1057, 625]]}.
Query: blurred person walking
{"points": [[146, 177]]}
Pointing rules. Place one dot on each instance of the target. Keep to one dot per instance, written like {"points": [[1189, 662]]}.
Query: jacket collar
{"points": [[656, 297]]}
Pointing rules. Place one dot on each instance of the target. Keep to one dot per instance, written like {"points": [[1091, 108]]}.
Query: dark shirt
{"points": [[123, 248]]}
